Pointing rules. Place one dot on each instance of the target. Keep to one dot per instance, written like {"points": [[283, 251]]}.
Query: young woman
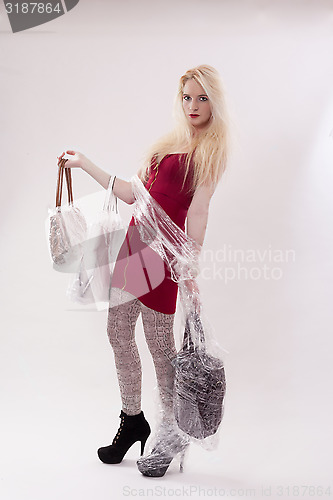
{"points": [[181, 173]]}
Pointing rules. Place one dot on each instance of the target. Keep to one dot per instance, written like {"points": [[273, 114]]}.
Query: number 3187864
{"points": [[32, 8]]}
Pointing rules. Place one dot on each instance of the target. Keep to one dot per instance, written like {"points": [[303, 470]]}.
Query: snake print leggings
{"points": [[158, 329]]}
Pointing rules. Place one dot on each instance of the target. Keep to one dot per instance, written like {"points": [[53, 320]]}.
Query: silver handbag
{"points": [[68, 227]]}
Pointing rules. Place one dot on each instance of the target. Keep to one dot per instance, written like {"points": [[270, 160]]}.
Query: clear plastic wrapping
{"points": [[200, 383], [91, 283], [199, 386]]}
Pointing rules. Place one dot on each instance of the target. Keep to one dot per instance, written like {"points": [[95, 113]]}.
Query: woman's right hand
{"points": [[78, 159]]}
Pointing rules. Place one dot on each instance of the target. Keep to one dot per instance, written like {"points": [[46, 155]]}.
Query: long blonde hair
{"points": [[209, 149]]}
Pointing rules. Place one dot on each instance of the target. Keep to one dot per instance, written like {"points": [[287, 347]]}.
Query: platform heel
{"points": [[157, 462]]}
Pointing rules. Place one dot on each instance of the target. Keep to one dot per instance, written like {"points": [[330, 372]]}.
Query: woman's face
{"points": [[196, 104]]}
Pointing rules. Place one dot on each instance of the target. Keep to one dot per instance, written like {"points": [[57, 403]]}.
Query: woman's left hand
{"points": [[193, 292]]}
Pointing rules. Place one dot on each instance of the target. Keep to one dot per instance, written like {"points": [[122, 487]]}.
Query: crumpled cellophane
{"points": [[91, 283], [200, 383]]}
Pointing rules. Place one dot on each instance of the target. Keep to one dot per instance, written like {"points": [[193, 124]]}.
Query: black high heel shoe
{"points": [[157, 462], [132, 428]]}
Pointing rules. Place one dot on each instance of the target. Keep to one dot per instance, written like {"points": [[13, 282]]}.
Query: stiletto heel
{"points": [[143, 442], [132, 428], [181, 463]]}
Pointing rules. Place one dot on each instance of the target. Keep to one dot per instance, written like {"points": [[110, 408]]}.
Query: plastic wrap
{"points": [[200, 383], [181, 253], [91, 284]]}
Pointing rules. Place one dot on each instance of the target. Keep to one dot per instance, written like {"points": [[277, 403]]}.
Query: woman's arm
{"points": [[122, 189], [197, 215], [197, 218]]}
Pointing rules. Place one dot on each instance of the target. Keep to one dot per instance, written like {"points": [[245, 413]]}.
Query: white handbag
{"points": [[67, 227]]}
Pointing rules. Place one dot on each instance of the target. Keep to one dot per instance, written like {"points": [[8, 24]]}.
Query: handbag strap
{"points": [[194, 318], [111, 201], [68, 174], [60, 183]]}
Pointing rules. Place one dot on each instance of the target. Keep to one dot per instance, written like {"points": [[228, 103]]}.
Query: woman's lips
{"points": [[193, 116]]}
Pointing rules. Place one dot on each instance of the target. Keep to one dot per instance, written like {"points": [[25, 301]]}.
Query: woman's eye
{"points": [[186, 97], [204, 98]]}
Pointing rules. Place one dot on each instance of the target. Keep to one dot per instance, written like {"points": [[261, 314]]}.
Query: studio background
{"points": [[101, 79]]}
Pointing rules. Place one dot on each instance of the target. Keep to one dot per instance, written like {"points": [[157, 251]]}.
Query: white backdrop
{"points": [[101, 79]]}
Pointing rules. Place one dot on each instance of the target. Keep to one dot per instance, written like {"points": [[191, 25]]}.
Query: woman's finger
{"points": [[70, 152], [60, 158]]}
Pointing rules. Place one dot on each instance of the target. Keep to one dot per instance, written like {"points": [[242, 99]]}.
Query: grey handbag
{"points": [[200, 385]]}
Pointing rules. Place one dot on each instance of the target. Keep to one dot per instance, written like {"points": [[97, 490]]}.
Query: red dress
{"points": [[138, 269]]}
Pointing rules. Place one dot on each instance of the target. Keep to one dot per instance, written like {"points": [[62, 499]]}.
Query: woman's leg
{"points": [[169, 440], [158, 329], [122, 317]]}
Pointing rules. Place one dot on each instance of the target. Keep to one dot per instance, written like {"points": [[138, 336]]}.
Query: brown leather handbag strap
{"points": [[68, 174], [60, 183]]}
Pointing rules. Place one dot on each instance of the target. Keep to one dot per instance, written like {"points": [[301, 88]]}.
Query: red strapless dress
{"points": [[138, 269]]}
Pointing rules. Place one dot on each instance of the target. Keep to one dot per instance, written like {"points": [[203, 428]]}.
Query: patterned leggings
{"points": [[158, 330]]}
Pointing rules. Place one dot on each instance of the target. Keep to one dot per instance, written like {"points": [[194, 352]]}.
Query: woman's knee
{"points": [[159, 334]]}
